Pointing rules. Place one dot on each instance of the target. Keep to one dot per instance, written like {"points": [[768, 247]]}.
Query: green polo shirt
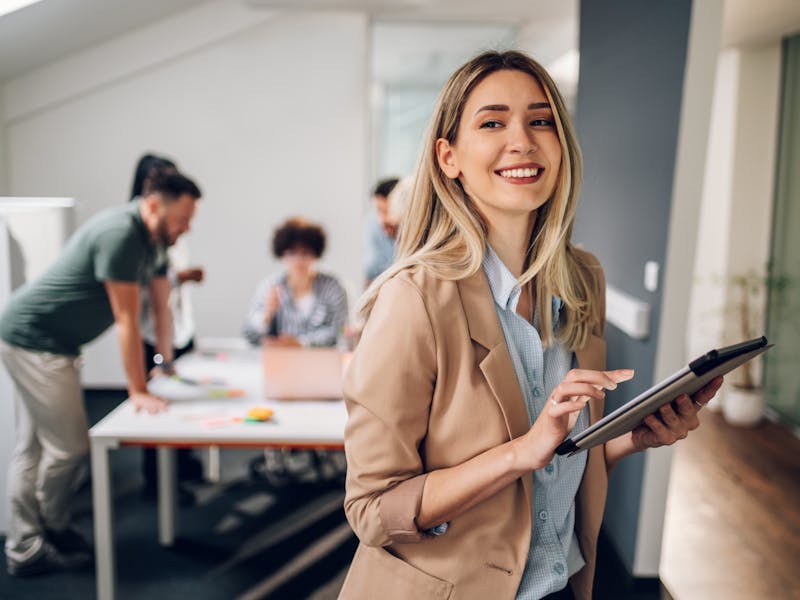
{"points": [[68, 305]]}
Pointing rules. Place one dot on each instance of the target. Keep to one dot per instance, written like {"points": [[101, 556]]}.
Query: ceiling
{"points": [[72, 25], [759, 22], [51, 29]]}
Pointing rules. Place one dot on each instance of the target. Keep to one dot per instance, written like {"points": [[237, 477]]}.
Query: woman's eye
{"points": [[542, 123], [491, 125]]}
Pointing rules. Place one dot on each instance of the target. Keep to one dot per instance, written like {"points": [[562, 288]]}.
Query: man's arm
{"points": [[162, 314], [124, 297]]}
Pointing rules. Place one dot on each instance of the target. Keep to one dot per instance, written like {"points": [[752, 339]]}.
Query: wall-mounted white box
{"points": [[627, 313]]}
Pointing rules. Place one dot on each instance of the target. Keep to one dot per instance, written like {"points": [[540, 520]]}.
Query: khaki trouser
{"points": [[51, 441]]}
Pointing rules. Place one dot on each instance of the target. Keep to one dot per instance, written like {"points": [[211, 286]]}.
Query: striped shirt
{"points": [[554, 553], [316, 325]]}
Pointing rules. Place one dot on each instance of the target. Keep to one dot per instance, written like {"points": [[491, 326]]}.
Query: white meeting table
{"points": [[197, 416]]}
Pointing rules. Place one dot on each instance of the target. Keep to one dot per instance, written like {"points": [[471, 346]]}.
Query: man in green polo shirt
{"points": [[94, 283]]}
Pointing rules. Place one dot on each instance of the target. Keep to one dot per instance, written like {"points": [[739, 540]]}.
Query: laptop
{"points": [[302, 373]]}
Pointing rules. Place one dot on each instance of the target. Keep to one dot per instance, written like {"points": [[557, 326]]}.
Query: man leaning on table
{"points": [[94, 283]]}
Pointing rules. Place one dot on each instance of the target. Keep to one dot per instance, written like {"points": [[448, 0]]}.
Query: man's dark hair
{"points": [[148, 167], [172, 185], [385, 187], [297, 232]]}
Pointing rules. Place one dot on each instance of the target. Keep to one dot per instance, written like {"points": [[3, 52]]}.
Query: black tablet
{"points": [[686, 381]]}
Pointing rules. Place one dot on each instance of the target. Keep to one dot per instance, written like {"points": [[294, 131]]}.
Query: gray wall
{"points": [[632, 62]]}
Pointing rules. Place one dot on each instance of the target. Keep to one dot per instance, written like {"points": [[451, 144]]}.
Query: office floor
{"points": [[732, 526], [247, 540]]}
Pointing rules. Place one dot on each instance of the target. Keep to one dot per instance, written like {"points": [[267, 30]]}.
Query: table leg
{"points": [[167, 496], [103, 521], [213, 470]]}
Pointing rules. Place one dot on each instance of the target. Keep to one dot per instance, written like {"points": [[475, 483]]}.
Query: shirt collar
{"points": [[505, 287]]}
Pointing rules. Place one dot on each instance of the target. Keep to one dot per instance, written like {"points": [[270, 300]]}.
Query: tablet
{"points": [[686, 381]]}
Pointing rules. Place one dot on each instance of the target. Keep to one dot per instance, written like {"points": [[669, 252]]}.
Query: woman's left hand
{"points": [[674, 420]]}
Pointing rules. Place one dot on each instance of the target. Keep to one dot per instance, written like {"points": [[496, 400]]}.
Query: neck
{"points": [[149, 218], [509, 238], [300, 283]]}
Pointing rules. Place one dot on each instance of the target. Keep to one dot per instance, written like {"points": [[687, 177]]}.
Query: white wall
{"points": [[705, 324], [753, 173], [32, 233], [3, 154], [267, 111], [693, 138], [736, 207]]}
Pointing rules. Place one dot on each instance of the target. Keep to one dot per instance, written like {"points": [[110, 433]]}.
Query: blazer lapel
{"points": [[496, 365]]}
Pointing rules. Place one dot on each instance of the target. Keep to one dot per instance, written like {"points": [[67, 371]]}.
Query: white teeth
{"points": [[519, 172]]}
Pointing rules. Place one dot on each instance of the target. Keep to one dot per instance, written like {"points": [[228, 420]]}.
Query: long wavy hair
{"points": [[443, 231]]}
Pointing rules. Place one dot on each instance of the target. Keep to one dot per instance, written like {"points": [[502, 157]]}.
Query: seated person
{"points": [[299, 306]]}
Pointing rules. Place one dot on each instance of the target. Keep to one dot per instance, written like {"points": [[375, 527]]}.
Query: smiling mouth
{"points": [[526, 174]]}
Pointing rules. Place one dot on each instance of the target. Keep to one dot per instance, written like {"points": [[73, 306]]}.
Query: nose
{"points": [[522, 139]]}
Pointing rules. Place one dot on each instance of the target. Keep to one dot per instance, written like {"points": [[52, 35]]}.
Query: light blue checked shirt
{"points": [[554, 553]]}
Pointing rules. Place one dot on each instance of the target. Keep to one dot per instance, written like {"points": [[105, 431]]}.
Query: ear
{"points": [[446, 157], [153, 203]]}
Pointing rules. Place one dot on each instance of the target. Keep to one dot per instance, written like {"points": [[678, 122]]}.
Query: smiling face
{"points": [[506, 153]]}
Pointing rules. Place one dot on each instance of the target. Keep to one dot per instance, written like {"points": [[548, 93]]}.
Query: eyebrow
{"points": [[504, 107]]}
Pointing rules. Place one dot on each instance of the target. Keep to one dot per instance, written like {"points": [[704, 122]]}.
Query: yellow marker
{"points": [[259, 413]]}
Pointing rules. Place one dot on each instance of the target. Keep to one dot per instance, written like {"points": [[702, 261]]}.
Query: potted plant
{"points": [[743, 402]]}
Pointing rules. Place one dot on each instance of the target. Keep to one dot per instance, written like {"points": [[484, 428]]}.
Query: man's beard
{"points": [[162, 235]]}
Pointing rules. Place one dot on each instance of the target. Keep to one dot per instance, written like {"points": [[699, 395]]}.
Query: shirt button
{"points": [[543, 515], [537, 392], [558, 568], [550, 468]]}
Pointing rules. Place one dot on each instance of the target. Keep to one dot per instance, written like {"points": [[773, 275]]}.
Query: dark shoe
{"points": [[190, 468], [68, 541], [48, 560]]}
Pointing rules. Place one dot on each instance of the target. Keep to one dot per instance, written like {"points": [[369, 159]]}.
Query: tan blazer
{"points": [[430, 386]]}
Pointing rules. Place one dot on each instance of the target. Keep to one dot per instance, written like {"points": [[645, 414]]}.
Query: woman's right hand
{"points": [[560, 413]]}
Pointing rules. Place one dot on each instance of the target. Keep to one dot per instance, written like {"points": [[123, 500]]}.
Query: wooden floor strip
{"points": [[732, 527]]}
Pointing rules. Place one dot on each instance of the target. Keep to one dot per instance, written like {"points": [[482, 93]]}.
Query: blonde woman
{"points": [[482, 351]]}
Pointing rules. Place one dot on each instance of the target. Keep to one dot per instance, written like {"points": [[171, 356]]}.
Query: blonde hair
{"points": [[398, 198], [443, 231]]}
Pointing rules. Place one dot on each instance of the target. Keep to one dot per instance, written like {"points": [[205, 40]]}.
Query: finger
{"points": [[605, 379], [656, 426], [565, 408], [704, 395], [669, 418], [620, 375], [663, 435], [686, 407], [569, 390]]}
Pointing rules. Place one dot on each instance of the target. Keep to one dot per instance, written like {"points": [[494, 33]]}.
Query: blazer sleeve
{"points": [[388, 391]]}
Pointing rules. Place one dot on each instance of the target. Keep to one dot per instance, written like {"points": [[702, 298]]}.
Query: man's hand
{"points": [[195, 274], [148, 402], [163, 370]]}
